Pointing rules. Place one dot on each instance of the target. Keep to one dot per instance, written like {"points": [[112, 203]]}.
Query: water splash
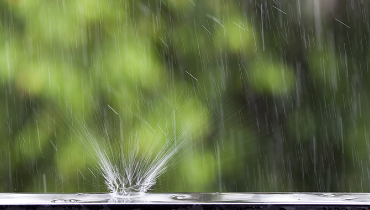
{"points": [[132, 174], [134, 177]]}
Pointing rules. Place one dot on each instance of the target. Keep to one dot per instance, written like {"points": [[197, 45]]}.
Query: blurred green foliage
{"points": [[268, 95]]}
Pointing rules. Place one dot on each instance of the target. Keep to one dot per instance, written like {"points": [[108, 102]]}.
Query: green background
{"points": [[266, 95]]}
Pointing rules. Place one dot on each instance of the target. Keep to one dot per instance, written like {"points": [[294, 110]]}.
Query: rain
{"points": [[135, 97]]}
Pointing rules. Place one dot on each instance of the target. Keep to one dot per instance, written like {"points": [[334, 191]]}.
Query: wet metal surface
{"points": [[189, 198]]}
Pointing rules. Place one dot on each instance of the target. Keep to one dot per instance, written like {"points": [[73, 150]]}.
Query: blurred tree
{"points": [[266, 95]]}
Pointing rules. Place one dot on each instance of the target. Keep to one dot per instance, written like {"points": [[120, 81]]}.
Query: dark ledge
{"points": [[183, 207]]}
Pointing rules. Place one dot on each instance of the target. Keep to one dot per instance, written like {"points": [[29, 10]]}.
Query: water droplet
{"points": [[65, 201], [73, 200], [181, 197], [176, 197], [350, 198], [327, 195], [59, 201]]}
